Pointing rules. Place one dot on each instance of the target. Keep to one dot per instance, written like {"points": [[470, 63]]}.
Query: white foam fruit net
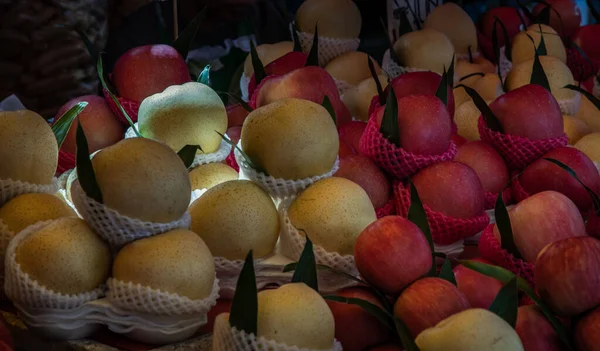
{"points": [[393, 70], [138, 298], [329, 48], [10, 189], [342, 86], [504, 63], [5, 237], [27, 292], [244, 81], [115, 228], [227, 338], [278, 187], [570, 106]]}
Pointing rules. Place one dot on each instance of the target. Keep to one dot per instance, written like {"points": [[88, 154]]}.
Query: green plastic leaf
{"points": [[382, 315], [204, 76], [541, 49], [389, 122], [259, 69], [505, 227], [489, 117], [544, 16], [85, 170], [538, 76], [297, 46], [184, 41], [481, 74], [306, 269], [61, 126], [447, 273], [380, 93], [244, 307], [442, 90], [451, 71], [408, 342], [188, 153], [237, 100], [329, 107], [313, 55], [417, 215], [244, 155], [593, 195], [505, 276], [506, 303], [593, 10]]}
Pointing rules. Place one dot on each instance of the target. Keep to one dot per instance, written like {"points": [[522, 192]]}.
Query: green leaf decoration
{"points": [[329, 107], [389, 123], [188, 153], [382, 315], [204, 76], [100, 69], [538, 76], [490, 119], [481, 74], [593, 195], [408, 342], [85, 170], [504, 227], [506, 303], [244, 155], [593, 10], [544, 16], [184, 41], [451, 71], [541, 49], [442, 90], [244, 306], [417, 215], [313, 55], [306, 269], [297, 46], [237, 100], [506, 276], [61, 126], [393, 55], [380, 93], [259, 69], [447, 273]]}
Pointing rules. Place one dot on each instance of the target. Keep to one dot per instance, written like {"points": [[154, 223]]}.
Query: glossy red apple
{"points": [[421, 83], [587, 331], [458, 140], [428, 301], [345, 150], [391, 253], [285, 64], [236, 115], [351, 132], [424, 124], [567, 275], [478, 288], [568, 18], [147, 70], [364, 172], [529, 111], [451, 188], [509, 16], [588, 39], [486, 162], [535, 331]]}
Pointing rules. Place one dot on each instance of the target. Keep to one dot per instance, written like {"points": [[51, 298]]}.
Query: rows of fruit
{"points": [[334, 204]]}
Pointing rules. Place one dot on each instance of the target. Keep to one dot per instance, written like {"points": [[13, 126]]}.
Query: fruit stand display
{"points": [[445, 198]]}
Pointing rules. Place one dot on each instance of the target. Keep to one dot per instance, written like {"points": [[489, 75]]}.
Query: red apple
{"points": [[351, 132], [391, 253], [543, 175], [542, 219], [424, 124], [566, 275], [588, 39], [147, 70], [509, 16], [223, 305], [451, 188], [285, 64], [236, 115], [421, 83], [587, 331], [568, 18], [530, 112], [365, 173], [428, 301], [4, 346], [479, 289], [355, 328], [592, 225], [459, 140], [345, 150], [309, 83], [100, 125], [486, 162], [535, 331], [5, 336]]}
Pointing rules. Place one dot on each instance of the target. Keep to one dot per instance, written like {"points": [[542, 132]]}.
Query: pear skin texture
{"points": [[65, 256], [235, 217], [474, 329], [333, 212], [208, 175], [358, 98], [575, 128], [456, 24], [291, 139], [352, 67], [427, 49], [143, 179], [28, 148], [590, 146], [466, 117], [178, 262], [295, 315], [188, 114], [336, 18], [557, 72], [27, 209], [267, 54], [589, 114], [523, 49]]}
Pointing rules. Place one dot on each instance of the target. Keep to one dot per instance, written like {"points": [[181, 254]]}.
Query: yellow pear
{"points": [[235, 217], [589, 113], [267, 54], [590, 145], [143, 179], [65, 256], [460, 96], [336, 18], [557, 72], [352, 67], [208, 175], [188, 114], [489, 86], [358, 99], [427, 49], [291, 139], [333, 212], [456, 24], [466, 117], [28, 148], [523, 49], [575, 128], [479, 65], [27, 209], [178, 262]]}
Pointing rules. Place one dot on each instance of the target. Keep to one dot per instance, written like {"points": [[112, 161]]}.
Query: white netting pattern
{"points": [[22, 289], [329, 48], [12, 188], [5, 237], [393, 70], [570, 106], [342, 86], [226, 338], [115, 228], [277, 187], [196, 193], [244, 81], [135, 297], [504, 63], [452, 250]]}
